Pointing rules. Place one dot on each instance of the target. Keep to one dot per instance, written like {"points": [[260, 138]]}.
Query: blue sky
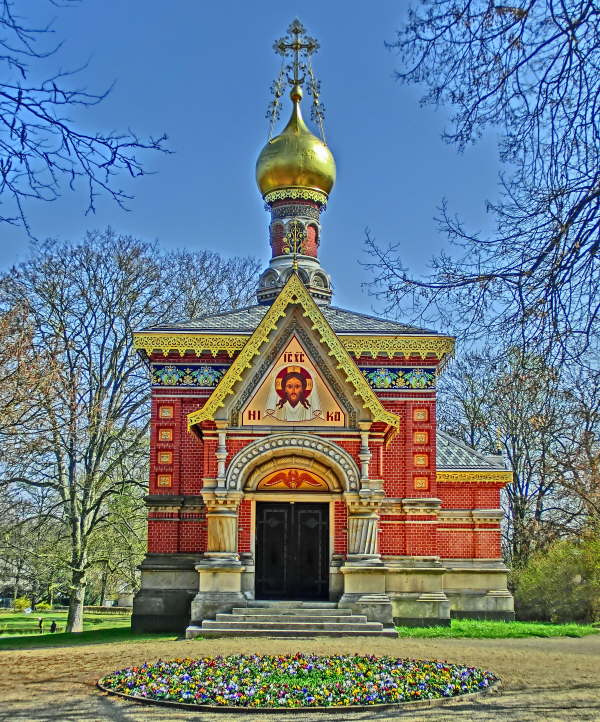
{"points": [[201, 73]]}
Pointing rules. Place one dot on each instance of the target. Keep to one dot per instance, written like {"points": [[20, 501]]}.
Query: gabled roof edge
{"points": [[294, 292]]}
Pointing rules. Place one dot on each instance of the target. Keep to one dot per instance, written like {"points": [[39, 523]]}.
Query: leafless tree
{"points": [[43, 151], [530, 73], [517, 404], [86, 433]]}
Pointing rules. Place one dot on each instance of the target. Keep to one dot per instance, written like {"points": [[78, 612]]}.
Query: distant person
{"points": [[40, 623], [53, 627]]}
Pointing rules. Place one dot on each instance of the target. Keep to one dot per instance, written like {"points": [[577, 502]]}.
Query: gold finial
{"points": [[296, 161], [298, 47]]}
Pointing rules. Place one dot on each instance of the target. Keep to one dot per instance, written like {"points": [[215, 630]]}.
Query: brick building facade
{"points": [[294, 451]]}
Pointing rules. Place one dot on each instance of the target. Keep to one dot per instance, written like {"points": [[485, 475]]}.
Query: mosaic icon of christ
{"points": [[294, 396]]}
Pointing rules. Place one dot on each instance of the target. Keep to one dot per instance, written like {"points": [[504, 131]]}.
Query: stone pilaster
{"points": [[363, 572], [220, 570]]}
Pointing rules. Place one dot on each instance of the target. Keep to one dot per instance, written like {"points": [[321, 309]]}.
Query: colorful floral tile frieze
{"points": [[301, 680], [192, 375], [399, 378]]}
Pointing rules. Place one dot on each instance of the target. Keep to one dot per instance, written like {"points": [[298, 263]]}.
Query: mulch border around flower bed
{"points": [[413, 704], [409, 704]]}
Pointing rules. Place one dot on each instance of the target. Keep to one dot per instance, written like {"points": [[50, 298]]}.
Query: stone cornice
{"points": [[174, 501], [397, 506]]}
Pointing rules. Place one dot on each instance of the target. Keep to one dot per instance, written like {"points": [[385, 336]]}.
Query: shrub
{"points": [[561, 584], [43, 607], [21, 603]]}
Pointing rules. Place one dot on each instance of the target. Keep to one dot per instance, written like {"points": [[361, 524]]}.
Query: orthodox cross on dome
{"points": [[296, 46]]}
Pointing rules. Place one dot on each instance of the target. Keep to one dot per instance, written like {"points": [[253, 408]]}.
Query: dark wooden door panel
{"points": [[273, 528], [292, 550]]}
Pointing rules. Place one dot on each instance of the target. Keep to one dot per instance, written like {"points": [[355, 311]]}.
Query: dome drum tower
{"points": [[295, 173]]}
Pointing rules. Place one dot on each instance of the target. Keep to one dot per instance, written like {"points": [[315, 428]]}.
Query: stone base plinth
{"points": [[220, 589], [364, 592], [478, 590], [169, 583], [426, 609]]}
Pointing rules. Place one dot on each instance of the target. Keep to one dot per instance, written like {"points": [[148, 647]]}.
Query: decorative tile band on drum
{"points": [[193, 375], [399, 378]]}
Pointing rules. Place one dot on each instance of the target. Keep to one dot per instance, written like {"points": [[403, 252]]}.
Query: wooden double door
{"points": [[292, 550]]}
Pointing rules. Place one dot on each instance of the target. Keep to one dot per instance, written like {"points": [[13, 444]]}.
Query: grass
{"points": [[28, 623], [481, 629], [96, 636]]}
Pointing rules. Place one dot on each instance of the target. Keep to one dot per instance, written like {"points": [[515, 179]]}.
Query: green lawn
{"points": [[480, 629], [97, 636], [24, 623]]}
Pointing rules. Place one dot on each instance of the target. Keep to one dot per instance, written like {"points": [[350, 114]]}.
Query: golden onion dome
{"points": [[296, 158]]}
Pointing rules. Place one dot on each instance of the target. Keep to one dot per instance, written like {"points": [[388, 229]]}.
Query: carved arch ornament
{"points": [[301, 446]]}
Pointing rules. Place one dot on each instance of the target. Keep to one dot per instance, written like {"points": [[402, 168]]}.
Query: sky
{"points": [[200, 72]]}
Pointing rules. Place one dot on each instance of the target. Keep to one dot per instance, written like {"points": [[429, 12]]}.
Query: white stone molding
{"points": [[299, 445]]}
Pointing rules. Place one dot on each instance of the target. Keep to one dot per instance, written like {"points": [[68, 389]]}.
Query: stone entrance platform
{"points": [[289, 619]]}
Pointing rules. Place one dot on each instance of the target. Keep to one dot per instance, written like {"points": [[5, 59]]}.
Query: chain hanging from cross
{"points": [[298, 47], [293, 241]]}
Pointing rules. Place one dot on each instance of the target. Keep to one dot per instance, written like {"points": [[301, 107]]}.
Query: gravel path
{"points": [[543, 679]]}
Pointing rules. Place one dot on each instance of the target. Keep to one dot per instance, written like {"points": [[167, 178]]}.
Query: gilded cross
{"points": [[294, 43]]}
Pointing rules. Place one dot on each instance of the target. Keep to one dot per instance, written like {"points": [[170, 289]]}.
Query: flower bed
{"points": [[301, 680]]}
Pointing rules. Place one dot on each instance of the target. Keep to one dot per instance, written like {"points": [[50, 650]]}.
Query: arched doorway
{"points": [[292, 535], [292, 487]]}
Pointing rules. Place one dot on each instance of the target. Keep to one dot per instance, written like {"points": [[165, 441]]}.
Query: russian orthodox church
{"points": [[294, 453]]}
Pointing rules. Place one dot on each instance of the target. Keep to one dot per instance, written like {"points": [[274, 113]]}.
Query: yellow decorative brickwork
{"points": [[420, 414], [480, 477], [164, 480], [294, 292], [421, 482], [165, 435], [421, 437], [165, 412], [165, 457]]}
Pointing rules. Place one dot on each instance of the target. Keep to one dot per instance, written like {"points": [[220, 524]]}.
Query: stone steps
{"points": [[292, 618], [289, 619], [193, 631], [291, 612]]}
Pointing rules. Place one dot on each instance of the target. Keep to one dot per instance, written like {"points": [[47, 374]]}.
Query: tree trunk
{"points": [[75, 616]]}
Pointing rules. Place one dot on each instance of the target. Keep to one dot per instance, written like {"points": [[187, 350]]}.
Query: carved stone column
{"points": [[221, 452], [363, 521], [365, 453], [221, 519]]}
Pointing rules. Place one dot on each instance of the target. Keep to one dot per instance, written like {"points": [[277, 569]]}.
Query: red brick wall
{"points": [[244, 526], [194, 458], [340, 534]]}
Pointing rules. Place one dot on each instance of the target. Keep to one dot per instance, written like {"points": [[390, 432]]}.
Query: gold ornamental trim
{"points": [[199, 343], [423, 346], [294, 292], [477, 477], [307, 194], [166, 343]]}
